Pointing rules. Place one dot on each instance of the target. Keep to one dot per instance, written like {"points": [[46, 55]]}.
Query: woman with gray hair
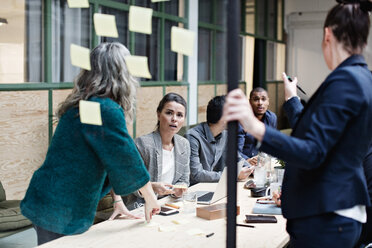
{"points": [[85, 161]]}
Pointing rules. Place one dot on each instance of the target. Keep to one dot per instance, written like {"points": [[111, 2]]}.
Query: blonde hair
{"points": [[108, 77]]}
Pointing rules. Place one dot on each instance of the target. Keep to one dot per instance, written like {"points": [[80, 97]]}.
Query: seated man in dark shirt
{"points": [[208, 142], [259, 101]]}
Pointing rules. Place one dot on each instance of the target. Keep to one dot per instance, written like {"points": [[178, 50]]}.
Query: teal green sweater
{"points": [[82, 163]]}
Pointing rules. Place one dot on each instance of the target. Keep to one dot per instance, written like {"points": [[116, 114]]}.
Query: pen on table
{"points": [[209, 235], [172, 205], [245, 225], [298, 87]]}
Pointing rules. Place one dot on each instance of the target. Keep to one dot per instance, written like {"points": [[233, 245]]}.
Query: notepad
{"points": [[138, 66], [140, 19], [105, 25], [78, 3], [80, 56], [182, 41], [195, 231], [90, 112]]}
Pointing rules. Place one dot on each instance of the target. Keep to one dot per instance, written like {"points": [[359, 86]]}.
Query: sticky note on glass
{"points": [[140, 19], [138, 66], [90, 113], [105, 25], [78, 3], [182, 41], [80, 56]]}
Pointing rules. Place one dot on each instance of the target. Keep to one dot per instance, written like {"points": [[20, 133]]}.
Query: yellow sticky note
{"points": [[166, 229], [180, 186], [105, 25], [180, 221], [140, 19], [80, 56], [182, 41], [78, 3], [156, 1], [90, 113], [138, 66], [195, 232]]}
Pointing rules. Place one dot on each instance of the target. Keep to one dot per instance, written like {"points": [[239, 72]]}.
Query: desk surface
{"points": [[134, 233]]}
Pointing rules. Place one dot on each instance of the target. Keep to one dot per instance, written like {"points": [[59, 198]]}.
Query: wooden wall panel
{"points": [[205, 94], [221, 89], [271, 91], [23, 138], [147, 101], [58, 97], [282, 118]]}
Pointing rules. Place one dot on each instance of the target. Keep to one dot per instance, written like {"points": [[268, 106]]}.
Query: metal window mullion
{"points": [[48, 62], [162, 42]]}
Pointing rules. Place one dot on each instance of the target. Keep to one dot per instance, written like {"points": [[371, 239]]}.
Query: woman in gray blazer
{"points": [[165, 153]]}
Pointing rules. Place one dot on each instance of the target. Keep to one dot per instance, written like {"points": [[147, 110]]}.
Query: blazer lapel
{"points": [[159, 154], [178, 158]]}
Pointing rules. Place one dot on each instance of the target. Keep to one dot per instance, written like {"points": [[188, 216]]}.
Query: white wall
{"points": [[304, 26]]}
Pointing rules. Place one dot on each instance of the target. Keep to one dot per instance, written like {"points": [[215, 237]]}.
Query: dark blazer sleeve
{"points": [[326, 126], [293, 108], [241, 140]]}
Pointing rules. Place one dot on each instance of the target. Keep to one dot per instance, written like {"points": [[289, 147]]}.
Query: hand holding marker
{"points": [[298, 87]]}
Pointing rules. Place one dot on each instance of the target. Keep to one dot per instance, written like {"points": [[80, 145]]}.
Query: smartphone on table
{"points": [[168, 211]]}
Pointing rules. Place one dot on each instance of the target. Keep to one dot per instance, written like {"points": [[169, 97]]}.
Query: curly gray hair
{"points": [[108, 77]]}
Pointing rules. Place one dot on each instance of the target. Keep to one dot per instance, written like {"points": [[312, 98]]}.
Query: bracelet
{"points": [[117, 201]]}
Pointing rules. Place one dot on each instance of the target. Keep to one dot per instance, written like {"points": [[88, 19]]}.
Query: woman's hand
{"points": [[162, 188], [121, 210], [151, 206], [178, 192], [290, 88], [238, 108]]}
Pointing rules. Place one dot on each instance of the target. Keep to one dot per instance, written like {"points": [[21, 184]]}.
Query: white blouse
{"points": [[168, 169]]}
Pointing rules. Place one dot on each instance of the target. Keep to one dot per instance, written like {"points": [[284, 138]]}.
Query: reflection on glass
{"points": [[205, 11], [121, 24], [275, 61], [147, 45], [271, 27], [204, 51], [221, 13], [250, 16], [175, 7], [221, 57], [270, 61], [260, 12], [68, 26], [20, 42], [148, 4]]}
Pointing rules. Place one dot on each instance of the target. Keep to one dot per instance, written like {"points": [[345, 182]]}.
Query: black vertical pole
{"points": [[233, 26]]}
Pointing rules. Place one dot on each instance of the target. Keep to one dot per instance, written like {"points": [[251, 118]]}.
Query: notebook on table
{"points": [[208, 197]]}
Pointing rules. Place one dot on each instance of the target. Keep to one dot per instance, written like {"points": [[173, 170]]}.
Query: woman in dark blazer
{"points": [[324, 194], [165, 153]]}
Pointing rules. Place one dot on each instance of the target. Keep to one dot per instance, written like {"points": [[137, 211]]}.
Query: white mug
{"points": [[272, 188]]}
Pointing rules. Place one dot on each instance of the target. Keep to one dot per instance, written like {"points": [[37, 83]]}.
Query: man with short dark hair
{"points": [[259, 100], [208, 142]]}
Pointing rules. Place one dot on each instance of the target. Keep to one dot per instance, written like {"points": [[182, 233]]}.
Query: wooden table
{"points": [[134, 233]]}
